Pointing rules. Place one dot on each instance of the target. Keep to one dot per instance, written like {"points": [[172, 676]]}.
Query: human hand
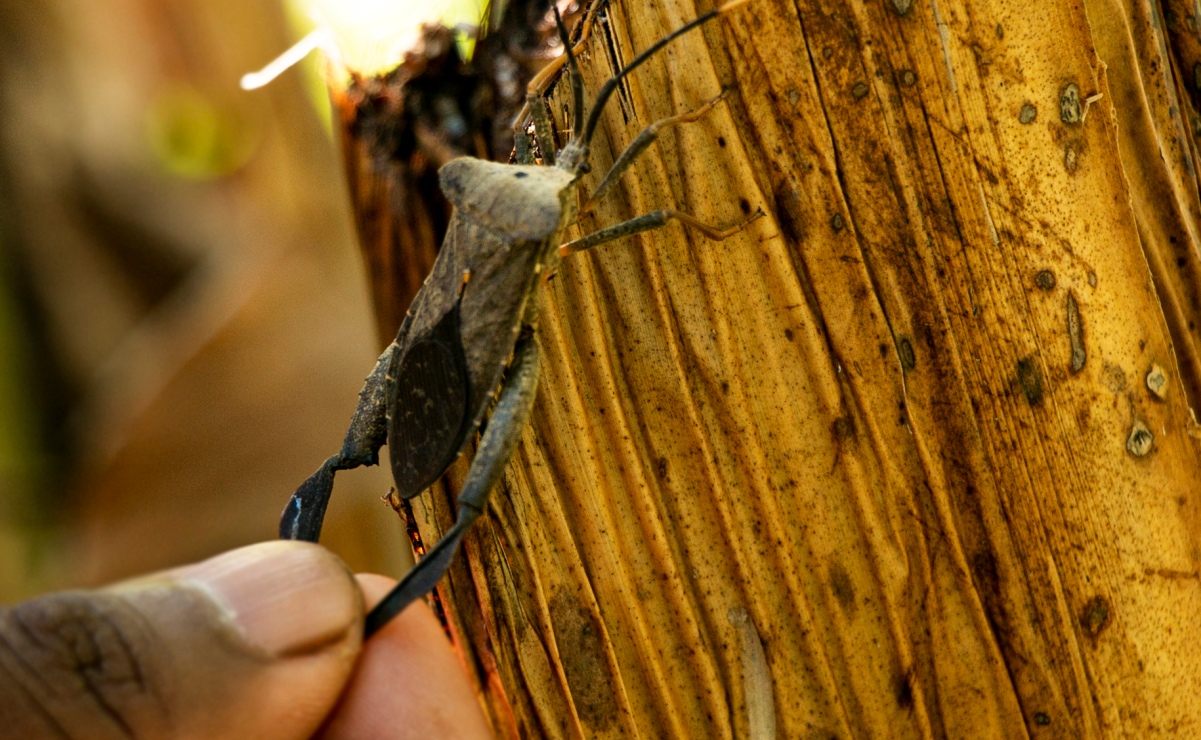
{"points": [[260, 642]]}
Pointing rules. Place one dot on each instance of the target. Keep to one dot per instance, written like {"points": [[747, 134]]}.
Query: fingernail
{"points": [[288, 598]]}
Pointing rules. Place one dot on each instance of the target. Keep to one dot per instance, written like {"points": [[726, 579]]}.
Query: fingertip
{"points": [[256, 642], [288, 598], [409, 682]]}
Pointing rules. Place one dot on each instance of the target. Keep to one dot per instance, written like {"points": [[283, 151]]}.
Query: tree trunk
{"points": [[912, 456]]}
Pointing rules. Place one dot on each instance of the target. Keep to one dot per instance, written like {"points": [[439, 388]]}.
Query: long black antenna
{"points": [[573, 71], [602, 97]]}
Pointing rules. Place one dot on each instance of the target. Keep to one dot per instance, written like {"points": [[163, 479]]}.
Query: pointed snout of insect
{"points": [[574, 158]]}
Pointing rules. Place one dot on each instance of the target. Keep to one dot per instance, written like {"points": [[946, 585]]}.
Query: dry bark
{"points": [[896, 460]]}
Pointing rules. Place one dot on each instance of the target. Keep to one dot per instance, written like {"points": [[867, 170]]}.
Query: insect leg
{"points": [[541, 81], [573, 72], [583, 136], [546, 142], [521, 143], [535, 106], [538, 106], [368, 429], [639, 145], [505, 427], [651, 221]]}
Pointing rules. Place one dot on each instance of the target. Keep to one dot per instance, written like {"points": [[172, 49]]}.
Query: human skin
{"points": [[260, 642]]}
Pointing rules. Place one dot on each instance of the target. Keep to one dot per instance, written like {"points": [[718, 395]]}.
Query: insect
{"points": [[469, 336]]}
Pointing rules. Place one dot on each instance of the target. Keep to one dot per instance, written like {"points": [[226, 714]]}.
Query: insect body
{"points": [[471, 330]]}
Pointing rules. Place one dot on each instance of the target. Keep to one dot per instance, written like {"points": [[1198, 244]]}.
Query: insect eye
{"points": [[520, 175]]}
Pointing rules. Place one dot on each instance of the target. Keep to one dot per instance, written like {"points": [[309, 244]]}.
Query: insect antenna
{"points": [[573, 71], [606, 91]]}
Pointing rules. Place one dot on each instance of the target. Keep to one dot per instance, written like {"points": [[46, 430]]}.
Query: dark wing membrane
{"points": [[428, 411]]}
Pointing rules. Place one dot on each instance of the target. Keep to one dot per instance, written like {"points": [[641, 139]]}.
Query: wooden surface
{"points": [[869, 468]]}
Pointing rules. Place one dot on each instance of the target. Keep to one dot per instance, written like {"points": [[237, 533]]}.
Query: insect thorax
{"points": [[521, 202]]}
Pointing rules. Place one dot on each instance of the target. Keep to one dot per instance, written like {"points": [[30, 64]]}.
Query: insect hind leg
{"points": [[505, 427], [305, 512], [639, 145], [649, 221], [534, 106]]}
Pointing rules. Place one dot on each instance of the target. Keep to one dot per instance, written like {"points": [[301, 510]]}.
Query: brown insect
{"points": [[470, 330]]}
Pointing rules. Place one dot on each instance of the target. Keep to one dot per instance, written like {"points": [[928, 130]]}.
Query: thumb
{"points": [[257, 642]]}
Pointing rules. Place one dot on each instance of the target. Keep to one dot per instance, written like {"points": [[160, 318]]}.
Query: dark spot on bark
{"points": [[844, 590], [1157, 382], [1181, 261], [844, 429], [836, 222], [1071, 157], [521, 175], [859, 90], [905, 351], [1114, 378], [1095, 616], [788, 214], [1045, 280], [1030, 378], [745, 205], [580, 639], [1069, 104], [788, 334], [1197, 76], [1140, 441], [1076, 334], [725, 387], [1000, 31], [1028, 113], [662, 468], [1042, 718], [903, 691], [721, 142], [984, 570]]}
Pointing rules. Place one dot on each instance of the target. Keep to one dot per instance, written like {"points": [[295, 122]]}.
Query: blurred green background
{"points": [[183, 316]]}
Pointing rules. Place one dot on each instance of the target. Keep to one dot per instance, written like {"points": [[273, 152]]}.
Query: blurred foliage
{"points": [[195, 137], [373, 34], [25, 461], [183, 320]]}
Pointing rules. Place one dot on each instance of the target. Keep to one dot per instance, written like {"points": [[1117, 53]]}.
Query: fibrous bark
{"points": [[913, 456]]}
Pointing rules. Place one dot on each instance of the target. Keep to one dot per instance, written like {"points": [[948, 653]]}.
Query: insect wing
{"points": [[429, 406], [505, 215]]}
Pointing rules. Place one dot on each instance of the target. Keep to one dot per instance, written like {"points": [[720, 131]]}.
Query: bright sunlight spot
{"points": [[366, 36]]}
